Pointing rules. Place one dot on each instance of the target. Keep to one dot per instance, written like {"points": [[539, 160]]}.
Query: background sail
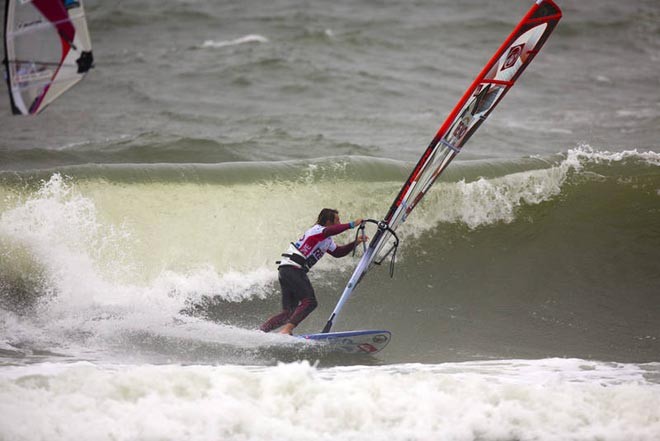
{"points": [[47, 51], [485, 92]]}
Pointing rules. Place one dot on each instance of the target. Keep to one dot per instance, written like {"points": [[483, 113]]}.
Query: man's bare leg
{"points": [[287, 329]]}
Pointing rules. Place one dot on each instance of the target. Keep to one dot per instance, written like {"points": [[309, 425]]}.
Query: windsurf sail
{"points": [[476, 104], [47, 51]]}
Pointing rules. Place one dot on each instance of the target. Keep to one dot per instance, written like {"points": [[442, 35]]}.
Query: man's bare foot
{"points": [[287, 329]]}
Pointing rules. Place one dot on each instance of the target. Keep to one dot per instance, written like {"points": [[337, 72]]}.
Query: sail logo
{"points": [[461, 128], [28, 24], [512, 57], [366, 347]]}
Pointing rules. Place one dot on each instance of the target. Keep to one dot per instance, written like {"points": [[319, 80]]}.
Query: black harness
{"points": [[297, 258]]}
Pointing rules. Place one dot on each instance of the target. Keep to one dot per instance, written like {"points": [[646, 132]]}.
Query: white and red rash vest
{"points": [[312, 246]]}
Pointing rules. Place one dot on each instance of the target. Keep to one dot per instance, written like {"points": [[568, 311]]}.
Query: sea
{"points": [[142, 213]]}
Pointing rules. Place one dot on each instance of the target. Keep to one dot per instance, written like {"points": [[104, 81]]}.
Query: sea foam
{"points": [[551, 399]]}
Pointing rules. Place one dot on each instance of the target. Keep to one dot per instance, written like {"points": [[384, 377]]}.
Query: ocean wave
{"points": [[247, 39], [126, 211], [96, 255]]}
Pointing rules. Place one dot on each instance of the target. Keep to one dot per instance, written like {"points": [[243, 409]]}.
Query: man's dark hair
{"points": [[327, 214]]}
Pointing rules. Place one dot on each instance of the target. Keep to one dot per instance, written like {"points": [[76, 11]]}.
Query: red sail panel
{"points": [[57, 14]]}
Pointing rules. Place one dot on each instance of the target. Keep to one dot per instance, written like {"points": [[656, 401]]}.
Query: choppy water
{"points": [[141, 214]]}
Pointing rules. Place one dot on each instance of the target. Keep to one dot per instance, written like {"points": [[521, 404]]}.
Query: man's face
{"points": [[336, 221]]}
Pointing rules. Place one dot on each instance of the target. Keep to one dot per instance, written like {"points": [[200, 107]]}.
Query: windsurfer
{"points": [[298, 299]]}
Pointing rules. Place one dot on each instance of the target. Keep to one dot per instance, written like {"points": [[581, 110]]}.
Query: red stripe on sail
{"points": [[57, 14]]}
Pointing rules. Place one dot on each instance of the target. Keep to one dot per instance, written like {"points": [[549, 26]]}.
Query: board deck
{"points": [[353, 342]]}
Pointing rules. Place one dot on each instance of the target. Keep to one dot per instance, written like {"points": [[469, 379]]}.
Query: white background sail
{"points": [[47, 51]]}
